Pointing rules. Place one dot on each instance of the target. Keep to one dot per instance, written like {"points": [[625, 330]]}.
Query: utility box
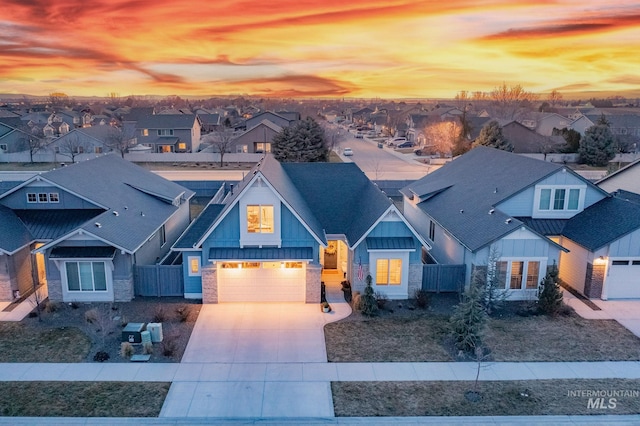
{"points": [[132, 333], [155, 328], [146, 337]]}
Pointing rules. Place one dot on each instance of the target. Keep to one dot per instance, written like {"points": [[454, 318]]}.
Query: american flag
{"points": [[360, 270]]}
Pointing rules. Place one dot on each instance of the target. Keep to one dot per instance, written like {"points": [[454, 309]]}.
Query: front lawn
{"points": [[82, 399], [508, 398], [21, 343], [513, 335]]}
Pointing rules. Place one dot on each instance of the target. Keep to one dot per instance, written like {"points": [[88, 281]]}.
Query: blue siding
{"points": [[227, 233], [629, 245], [18, 200], [192, 284], [390, 229], [519, 205], [294, 234]]}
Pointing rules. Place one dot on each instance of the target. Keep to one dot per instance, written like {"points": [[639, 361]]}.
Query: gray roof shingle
{"points": [[166, 121], [460, 195], [13, 233], [199, 226]]}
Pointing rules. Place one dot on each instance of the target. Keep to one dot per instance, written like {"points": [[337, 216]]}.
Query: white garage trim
{"points": [[623, 278], [276, 281]]}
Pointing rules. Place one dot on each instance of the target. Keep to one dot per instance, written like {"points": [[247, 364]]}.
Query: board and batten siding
{"points": [[573, 265], [18, 199], [628, 245], [294, 234], [522, 204]]}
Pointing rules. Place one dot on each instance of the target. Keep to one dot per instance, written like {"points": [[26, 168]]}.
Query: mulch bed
{"points": [[177, 315]]}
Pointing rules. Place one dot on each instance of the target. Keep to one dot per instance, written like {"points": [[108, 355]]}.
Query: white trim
{"points": [[563, 213], [229, 207], [393, 209], [193, 295], [79, 232], [40, 178], [198, 273]]}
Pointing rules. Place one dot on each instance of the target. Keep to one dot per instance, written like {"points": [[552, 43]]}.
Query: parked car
{"points": [[396, 141], [405, 145], [348, 152]]}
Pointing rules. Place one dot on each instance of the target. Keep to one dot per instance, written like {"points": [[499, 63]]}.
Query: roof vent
{"points": [[492, 211], [115, 213], [126, 208], [98, 225], [461, 211], [508, 221], [142, 214], [495, 191]]}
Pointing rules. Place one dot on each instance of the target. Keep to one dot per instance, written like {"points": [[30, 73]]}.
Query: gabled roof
{"points": [[13, 233], [270, 124], [51, 224], [198, 227], [136, 202], [604, 222], [166, 121], [461, 195]]}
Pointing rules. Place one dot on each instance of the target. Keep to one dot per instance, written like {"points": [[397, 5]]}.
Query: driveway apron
{"points": [[253, 355]]}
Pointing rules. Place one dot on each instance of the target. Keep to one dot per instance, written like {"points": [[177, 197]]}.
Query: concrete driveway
{"points": [[248, 360]]}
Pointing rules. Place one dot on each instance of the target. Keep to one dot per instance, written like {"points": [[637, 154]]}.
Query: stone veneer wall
{"points": [[54, 287], [356, 284], [123, 290], [6, 291], [415, 278], [313, 281], [209, 284], [594, 280]]}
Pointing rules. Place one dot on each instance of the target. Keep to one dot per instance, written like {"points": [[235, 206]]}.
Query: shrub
{"points": [[126, 349], [381, 299], [159, 314], [91, 316], [422, 298], [468, 320], [74, 305], [147, 348], [50, 306], [183, 313], [368, 305], [549, 293], [169, 344], [101, 356]]}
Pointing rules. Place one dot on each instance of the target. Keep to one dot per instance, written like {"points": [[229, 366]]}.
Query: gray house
{"points": [[277, 119], [257, 139], [81, 229], [169, 132]]}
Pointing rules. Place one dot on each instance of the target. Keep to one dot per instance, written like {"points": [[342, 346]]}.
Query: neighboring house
{"points": [[627, 178], [276, 119], [543, 123], [256, 139], [526, 141], [604, 244], [210, 122], [87, 140], [12, 136], [169, 132], [490, 200], [82, 229], [273, 237]]}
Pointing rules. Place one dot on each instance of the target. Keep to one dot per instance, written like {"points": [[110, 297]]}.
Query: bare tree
{"points": [[222, 141], [119, 140], [72, 147], [333, 136], [29, 141], [555, 97], [511, 102], [442, 136]]}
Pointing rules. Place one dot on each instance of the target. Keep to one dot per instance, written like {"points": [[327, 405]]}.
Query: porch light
{"points": [[600, 261]]}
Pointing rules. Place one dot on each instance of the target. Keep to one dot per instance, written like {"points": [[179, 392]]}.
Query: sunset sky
{"points": [[289, 48]]}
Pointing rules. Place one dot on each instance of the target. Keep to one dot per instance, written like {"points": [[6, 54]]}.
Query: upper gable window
{"points": [[559, 201], [54, 197], [42, 198], [260, 219], [32, 197]]}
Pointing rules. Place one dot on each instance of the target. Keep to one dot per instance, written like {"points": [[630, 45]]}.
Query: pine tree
{"points": [[304, 142], [549, 293], [469, 319], [368, 302], [491, 135], [598, 145]]}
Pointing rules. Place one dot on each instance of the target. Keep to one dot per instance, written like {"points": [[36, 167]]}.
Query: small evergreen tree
{"points": [[368, 302], [549, 293], [598, 145], [491, 136], [304, 142], [493, 286], [469, 319], [571, 137]]}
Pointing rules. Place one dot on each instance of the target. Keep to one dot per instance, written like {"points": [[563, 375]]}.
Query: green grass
{"points": [[82, 399], [497, 398], [21, 343]]}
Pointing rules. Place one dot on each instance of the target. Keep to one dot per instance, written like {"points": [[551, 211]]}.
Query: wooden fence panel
{"points": [[159, 280], [443, 278]]}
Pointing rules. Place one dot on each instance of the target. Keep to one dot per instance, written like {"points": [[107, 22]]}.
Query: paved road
{"points": [[380, 164]]}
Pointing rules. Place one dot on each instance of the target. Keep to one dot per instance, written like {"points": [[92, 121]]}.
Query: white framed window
{"points": [[43, 198], [520, 274], [194, 266], [165, 132], [54, 197], [558, 201], [260, 219], [3, 147], [388, 271], [32, 197], [86, 276]]}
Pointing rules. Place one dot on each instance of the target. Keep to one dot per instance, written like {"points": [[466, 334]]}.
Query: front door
{"points": [[331, 256]]}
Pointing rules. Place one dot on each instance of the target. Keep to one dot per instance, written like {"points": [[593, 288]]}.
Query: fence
{"points": [[159, 280], [443, 278]]}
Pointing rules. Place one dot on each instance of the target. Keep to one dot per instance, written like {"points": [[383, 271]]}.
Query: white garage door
{"points": [[623, 280], [261, 282]]}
